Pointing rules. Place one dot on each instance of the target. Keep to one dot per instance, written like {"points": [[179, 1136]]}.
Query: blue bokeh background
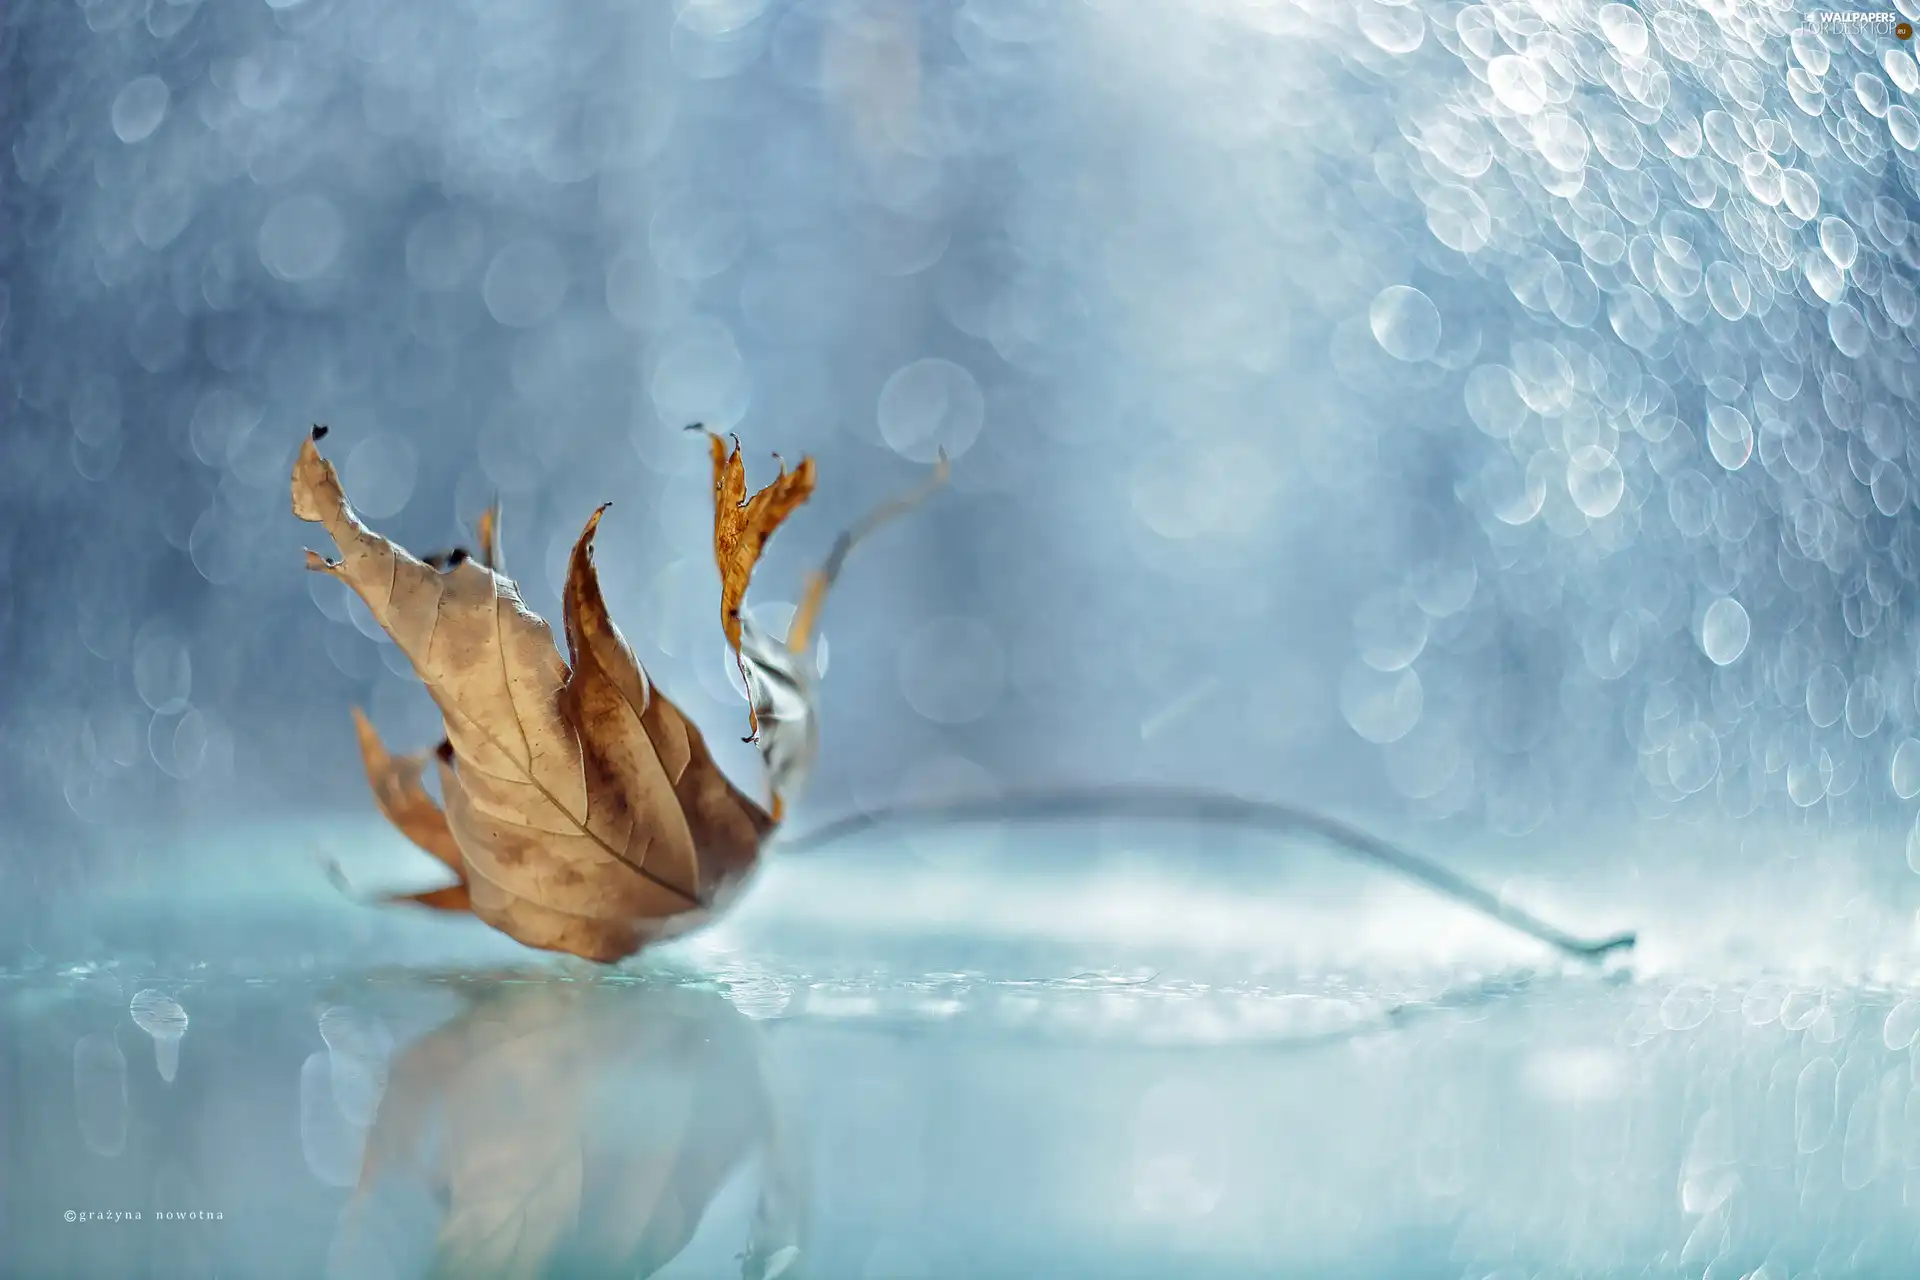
{"points": [[1493, 423]]}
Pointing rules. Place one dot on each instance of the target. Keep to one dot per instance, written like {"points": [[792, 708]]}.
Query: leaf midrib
{"points": [[579, 824]]}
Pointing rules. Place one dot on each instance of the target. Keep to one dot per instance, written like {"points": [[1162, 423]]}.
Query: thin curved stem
{"points": [[1210, 808], [800, 630]]}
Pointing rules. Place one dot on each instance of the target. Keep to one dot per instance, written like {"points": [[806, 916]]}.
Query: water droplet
{"points": [[1806, 784], [1636, 318], [1901, 69], [1392, 27], [1904, 126], [1724, 631], [1493, 400], [1729, 436], [1902, 1026], [1405, 323], [719, 17], [1459, 219], [194, 741], [1687, 1006], [1866, 707], [1517, 83], [1729, 290], [1810, 50], [221, 545], [1826, 695], [1561, 141], [716, 57], [1381, 707], [157, 1014], [1678, 34], [1515, 493], [1444, 587], [379, 472], [139, 108], [301, 237], [1801, 193], [931, 404], [1815, 1104], [263, 79], [1848, 329], [1763, 1001], [1906, 769], [1624, 29], [1391, 630], [1595, 481], [1693, 758], [1838, 241], [162, 670], [1826, 280]]}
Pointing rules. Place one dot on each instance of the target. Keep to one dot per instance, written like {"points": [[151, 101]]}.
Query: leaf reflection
{"points": [[570, 1129]]}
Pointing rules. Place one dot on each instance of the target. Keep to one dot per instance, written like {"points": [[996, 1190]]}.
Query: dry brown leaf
{"points": [[742, 526], [403, 799], [588, 815], [583, 812]]}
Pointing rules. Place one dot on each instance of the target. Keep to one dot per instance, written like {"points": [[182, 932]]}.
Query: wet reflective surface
{"points": [[1349, 1076]]}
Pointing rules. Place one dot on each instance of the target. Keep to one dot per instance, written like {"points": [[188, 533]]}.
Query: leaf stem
{"points": [[799, 632], [1181, 804]]}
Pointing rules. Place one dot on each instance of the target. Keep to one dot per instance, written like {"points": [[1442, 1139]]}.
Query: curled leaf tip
{"points": [[487, 529], [319, 432], [319, 563], [593, 525]]}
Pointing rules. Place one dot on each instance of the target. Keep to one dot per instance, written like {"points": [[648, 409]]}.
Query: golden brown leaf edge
{"points": [[583, 812]]}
